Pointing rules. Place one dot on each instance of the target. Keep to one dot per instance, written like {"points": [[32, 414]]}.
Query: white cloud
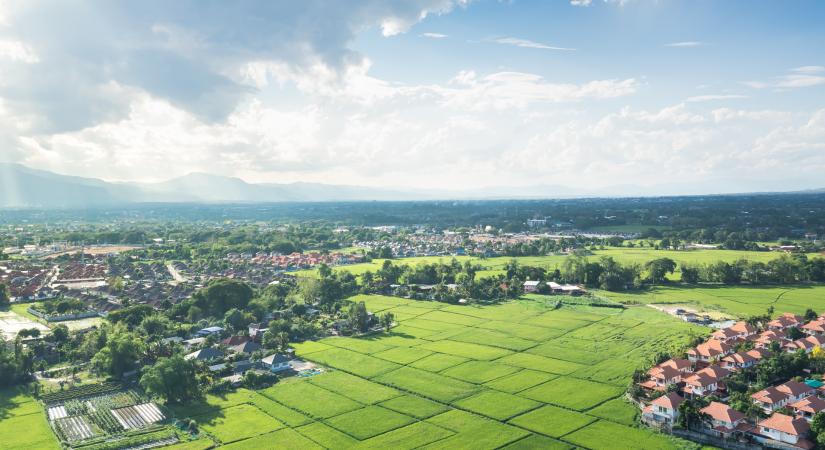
{"points": [[685, 44], [714, 97], [17, 51], [581, 2], [800, 77], [433, 35], [528, 44]]}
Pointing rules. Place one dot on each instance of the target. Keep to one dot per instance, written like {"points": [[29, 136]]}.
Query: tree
{"points": [[690, 274], [221, 295], [172, 379], [810, 314], [5, 298], [386, 321], [120, 354], [659, 268], [358, 317]]}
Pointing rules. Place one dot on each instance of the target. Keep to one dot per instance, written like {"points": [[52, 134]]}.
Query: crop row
{"points": [[79, 392]]}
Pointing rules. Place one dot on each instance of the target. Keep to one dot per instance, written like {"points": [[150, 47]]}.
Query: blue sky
{"points": [[672, 96]]}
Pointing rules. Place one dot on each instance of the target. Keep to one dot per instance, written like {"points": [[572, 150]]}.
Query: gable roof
{"points": [[812, 404], [247, 347], [769, 396], [722, 412], [670, 400], [794, 388], [743, 327], [715, 371], [786, 424], [205, 354]]}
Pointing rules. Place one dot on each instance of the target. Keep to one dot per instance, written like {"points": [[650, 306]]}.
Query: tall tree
{"points": [[173, 379]]}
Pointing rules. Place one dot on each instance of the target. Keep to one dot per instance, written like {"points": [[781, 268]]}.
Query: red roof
{"points": [[671, 400], [812, 404], [794, 388], [786, 424], [722, 412]]}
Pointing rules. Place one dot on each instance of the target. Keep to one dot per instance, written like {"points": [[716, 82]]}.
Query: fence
{"points": [[62, 317]]}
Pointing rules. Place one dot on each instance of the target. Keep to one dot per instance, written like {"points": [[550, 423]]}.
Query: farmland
{"points": [[527, 375]]}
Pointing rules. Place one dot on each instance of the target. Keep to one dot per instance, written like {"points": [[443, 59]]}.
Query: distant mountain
{"points": [[21, 186]]}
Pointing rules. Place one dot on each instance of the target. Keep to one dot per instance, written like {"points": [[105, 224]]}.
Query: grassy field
{"points": [[517, 375], [23, 422]]}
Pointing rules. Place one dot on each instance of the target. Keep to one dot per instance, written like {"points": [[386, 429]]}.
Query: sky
{"points": [[672, 96]]}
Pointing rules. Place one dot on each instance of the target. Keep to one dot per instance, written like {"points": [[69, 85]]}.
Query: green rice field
{"points": [[515, 375]]}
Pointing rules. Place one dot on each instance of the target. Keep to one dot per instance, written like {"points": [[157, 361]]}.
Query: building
{"points": [[205, 354], [709, 351], [724, 420], [808, 407], [785, 321], [247, 347], [737, 361], [795, 390], [209, 331], [770, 399], [782, 428], [814, 327], [700, 385], [276, 362], [665, 409], [531, 286]]}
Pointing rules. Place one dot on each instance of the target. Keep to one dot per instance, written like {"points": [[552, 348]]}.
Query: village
{"points": [[697, 393]]}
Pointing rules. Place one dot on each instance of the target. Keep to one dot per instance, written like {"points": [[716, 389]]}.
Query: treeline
{"points": [[787, 269]]}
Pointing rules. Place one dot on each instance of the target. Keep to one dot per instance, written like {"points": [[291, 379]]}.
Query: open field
{"points": [[516, 375], [20, 411], [11, 322], [640, 255], [734, 301]]}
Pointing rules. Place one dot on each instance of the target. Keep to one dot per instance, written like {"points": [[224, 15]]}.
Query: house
{"points": [[194, 342], [709, 351], [725, 335], [807, 344], [737, 361], [209, 331], [743, 329], [665, 409], [782, 428], [555, 288], [770, 399], [795, 390], [814, 327], [276, 362], [808, 407], [724, 420], [531, 286], [766, 337], [235, 340], [700, 385], [246, 347], [785, 321], [172, 340], [759, 354], [205, 354], [667, 373], [715, 371], [257, 330]]}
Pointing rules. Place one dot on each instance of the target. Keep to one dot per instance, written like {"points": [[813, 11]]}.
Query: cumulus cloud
{"points": [[525, 43], [184, 53]]}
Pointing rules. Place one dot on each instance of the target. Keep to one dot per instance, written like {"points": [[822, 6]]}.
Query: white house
{"points": [[276, 362], [723, 418], [665, 408], [531, 286], [784, 428]]}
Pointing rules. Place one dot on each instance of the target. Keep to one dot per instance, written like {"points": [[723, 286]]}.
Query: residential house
{"points": [[782, 428], [725, 335], [737, 361], [235, 340], [209, 331], [765, 338], [743, 329], [724, 420], [808, 407], [785, 321], [669, 372], [700, 385], [205, 354], [770, 399], [807, 344], [247, 347], [795, 390], [709, 351], [759, 354], [531, 286], [276, 362], [665, 409], [814, 327]]}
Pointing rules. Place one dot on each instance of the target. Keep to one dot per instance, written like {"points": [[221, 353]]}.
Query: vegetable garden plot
{"points": [[138, 416], [57, 412], [74, 429]]}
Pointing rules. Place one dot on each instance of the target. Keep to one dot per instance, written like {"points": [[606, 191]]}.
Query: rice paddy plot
{"points": [[37, 433], [522, 330], [466, 350], [310, 399], [368, 422], [493, 338], [451, 318], [541, 363], [438, 362], [406, 438], [537, 442], [550, 320], [414, 406], [362, 345], [355, 388], [353, 362], [427, 384], [497, 405], [616, 410], [327, 436], [520, 381], [285, 439], [278, 411], [479, 371], [473, 431], [552, 421], [608, 435], [403, 355], [238, 422], [572, 393]]}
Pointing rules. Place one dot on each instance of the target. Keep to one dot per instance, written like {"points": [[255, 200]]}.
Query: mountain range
{"points": [[22, 187]]}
